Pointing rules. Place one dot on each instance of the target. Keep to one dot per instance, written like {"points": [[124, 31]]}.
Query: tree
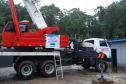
{"points": [[74, 22], [52, 14], [100, 13], [111, 20], [114, 20], [22, 13]]}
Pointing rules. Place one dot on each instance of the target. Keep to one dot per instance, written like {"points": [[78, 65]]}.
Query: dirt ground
{"points": [[72, 75]]}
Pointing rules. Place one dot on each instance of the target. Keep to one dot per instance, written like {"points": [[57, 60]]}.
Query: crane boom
{"points": [[35, 13]]}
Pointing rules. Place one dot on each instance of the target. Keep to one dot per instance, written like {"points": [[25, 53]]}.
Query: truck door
{"points": [[8, 35], [105, 48]]}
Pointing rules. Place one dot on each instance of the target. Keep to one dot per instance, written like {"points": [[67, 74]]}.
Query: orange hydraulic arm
{"points": [[14, 17]]}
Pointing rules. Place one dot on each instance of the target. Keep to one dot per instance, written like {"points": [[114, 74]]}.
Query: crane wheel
{"points": [[26, 70], [86, 64], [47, 68]]}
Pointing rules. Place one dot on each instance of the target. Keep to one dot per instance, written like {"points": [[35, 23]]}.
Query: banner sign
{"points": [[52, 41]]}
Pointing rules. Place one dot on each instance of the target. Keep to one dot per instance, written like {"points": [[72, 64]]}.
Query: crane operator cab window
{"points": [[23, 28], [10, 28]]}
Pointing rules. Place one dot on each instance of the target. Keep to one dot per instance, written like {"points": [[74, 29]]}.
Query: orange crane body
{"points": [[17, 34]]}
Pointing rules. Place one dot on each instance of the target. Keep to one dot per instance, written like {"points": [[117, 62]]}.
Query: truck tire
{"points": [[26, 70], [47, 68], [105, 65], [86, 64]]}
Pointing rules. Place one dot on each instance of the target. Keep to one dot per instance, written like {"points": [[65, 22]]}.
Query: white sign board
{"points": [[52, 41]]}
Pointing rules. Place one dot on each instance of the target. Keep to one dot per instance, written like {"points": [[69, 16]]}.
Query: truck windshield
{"points": [[103, 43]]}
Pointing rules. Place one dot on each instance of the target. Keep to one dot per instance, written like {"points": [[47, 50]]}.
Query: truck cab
{"points": [[99, 45], [9, 33]]}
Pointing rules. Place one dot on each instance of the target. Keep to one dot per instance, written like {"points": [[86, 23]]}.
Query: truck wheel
{"points": [[86, 64], [47, 68], [26, 70], [105, 66]]}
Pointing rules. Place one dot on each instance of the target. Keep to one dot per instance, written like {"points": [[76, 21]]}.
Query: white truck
{"points": [[99, 45]]}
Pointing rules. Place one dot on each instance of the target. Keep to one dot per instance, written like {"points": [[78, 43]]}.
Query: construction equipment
{"points": [[17, 34], [26, 63]]}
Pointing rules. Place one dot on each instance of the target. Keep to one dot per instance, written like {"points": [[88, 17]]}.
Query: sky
{"points": [[87, 6]]}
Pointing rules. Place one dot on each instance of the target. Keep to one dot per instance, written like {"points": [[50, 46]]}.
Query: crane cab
{"points": [[9, 33]]}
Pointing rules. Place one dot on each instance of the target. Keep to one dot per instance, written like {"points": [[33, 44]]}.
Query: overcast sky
{"points": [[87, 6]]}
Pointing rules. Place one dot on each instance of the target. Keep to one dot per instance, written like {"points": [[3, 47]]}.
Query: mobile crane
{"points": [[26, 63]]}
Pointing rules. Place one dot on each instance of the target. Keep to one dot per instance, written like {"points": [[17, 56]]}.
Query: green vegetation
{"points": [[108, 22]]}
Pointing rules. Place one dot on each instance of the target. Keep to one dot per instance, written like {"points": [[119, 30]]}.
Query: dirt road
{"points": [[72, 75]]}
